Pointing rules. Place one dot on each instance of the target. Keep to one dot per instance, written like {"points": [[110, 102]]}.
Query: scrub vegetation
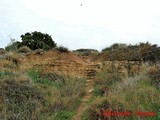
{"points": [[40, 81]]}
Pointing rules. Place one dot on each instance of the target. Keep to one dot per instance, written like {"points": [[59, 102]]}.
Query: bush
{"points": [[14, 57], [20, 101], [86, 52], [2, 51], [154, 75], [12, 47], [104, 80], [62, 49], [38, 40], [96, 109], [24, 49], [39, 51]]}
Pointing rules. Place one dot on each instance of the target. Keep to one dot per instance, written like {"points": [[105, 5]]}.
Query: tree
{"points": [[37, 40]]}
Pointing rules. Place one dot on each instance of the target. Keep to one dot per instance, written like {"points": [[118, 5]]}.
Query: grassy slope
{"points": [[137, 93], [29, 94]]}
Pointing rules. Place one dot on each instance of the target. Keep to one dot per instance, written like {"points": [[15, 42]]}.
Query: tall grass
{"points": [[63, 94], [104, 80], [36, 96], [137, 93]]}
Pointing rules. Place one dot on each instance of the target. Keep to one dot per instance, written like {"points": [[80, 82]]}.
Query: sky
{"points": [[82, 23]]}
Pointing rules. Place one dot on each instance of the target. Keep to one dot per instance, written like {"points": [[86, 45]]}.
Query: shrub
{"points": [[154, 75], [14, 57], [104, 80], [86, 52], [39, 51], [38, 40], [12, 47], [20, 101], [96, 109], [2, 51], [62, 49], [24, 49]]}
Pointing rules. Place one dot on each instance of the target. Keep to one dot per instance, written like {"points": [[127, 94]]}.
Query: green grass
{"points": [[35, 76], [61, 115], [6, 73]]}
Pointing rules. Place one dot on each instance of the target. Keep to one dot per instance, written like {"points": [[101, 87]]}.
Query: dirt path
{"points": [[90, 73]]}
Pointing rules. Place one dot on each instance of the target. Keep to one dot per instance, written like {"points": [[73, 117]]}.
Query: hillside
{"points": [[56, 85]]}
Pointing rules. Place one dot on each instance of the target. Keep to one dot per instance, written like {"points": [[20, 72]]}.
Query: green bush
{"points": [[12, 47], [37, 40]]}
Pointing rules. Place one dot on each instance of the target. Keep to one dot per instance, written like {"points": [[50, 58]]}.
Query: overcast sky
{"points": [[96, 24]]}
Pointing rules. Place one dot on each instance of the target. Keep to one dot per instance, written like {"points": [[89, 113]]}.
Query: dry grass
{"points": [[131, 94], [24, 49], [64, 93], [104, 81], [36, 96], [39, 51], [68, 95], [2, 51], [154, 75], [14, 57], [20, 100], [48, 94]]}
